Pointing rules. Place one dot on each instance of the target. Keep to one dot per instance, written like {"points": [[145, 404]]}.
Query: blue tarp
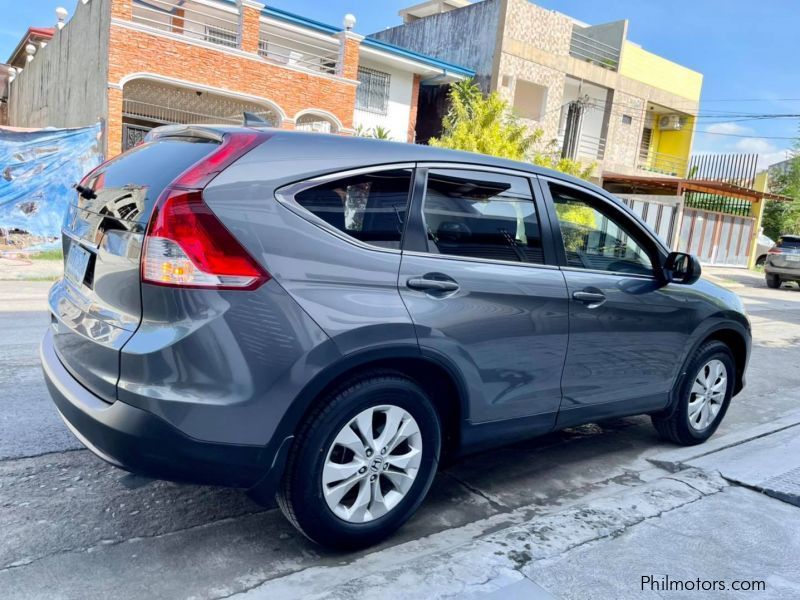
{"points": [[37, 172]]}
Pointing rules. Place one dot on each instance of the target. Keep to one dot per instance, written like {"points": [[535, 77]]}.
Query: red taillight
{"points": [[234, 146], [775, 251], [186, 244]]}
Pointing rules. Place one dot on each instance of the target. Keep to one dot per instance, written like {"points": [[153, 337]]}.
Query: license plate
{"points": [[77, 260], [793, 257]]}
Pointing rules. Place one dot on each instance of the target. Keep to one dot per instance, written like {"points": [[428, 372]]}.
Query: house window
{"points": [[223, 37], [530, 99], [627, 119], [373, 92]]}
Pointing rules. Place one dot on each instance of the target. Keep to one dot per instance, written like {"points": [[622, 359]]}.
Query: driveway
{"points": [[74, 527]]}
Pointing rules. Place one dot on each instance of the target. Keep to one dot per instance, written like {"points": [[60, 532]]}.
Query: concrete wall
{"points": [[401, 86], [65, 84], [653, 70], [465, 37]]}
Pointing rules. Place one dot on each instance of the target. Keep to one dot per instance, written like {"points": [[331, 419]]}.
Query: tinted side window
{"points": [[481, 215], [370, 207], [593, 239]]}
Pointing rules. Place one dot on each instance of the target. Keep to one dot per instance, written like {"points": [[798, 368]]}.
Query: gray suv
{"points": [[783, 261], [325, 319]]}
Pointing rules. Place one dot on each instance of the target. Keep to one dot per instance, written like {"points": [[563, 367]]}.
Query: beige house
{"points": [[597, 96]]}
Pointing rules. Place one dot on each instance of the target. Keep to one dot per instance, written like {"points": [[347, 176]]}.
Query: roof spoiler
{"points": [[186, 131], [250, 119]]}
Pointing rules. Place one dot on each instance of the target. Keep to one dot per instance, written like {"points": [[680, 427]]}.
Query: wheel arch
{"points": [[733, 334], [434, 373]]}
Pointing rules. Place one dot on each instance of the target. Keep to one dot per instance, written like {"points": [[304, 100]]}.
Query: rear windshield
{"points": [[128, 186], [789, 242]]}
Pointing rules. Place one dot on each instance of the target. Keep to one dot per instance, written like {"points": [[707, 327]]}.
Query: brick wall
{"points": [[132, 51], [412, 116]]}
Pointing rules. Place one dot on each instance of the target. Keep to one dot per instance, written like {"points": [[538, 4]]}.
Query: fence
{"points": [[716, 238]]}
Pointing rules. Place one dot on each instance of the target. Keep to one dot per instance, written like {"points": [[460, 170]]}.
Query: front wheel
{"points": [[362, 462], [703, 399]]}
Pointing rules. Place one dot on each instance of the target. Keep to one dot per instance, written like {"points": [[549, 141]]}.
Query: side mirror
{"points": [[681, 268]]}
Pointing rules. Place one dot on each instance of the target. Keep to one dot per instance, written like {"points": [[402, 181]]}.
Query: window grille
{"points": [[373, 93]]}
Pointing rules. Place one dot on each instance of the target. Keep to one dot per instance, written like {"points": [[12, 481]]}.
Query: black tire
{"points": [[773, 281], [300, 495], [675, 427], [761, 261]]}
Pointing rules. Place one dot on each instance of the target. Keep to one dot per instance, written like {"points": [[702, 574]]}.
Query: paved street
{"points": [[74, 527]]}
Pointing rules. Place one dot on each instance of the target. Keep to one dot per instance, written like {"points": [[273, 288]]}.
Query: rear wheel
{"points": [[703, 398], [761, 261], [773, 281], [362, 463]]}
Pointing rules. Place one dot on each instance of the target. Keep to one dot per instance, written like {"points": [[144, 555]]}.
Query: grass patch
{"points": [[53, 254]]}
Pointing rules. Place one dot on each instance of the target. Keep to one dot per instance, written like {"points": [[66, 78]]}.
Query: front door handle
{"points": [[591, 299], [432, 285]]}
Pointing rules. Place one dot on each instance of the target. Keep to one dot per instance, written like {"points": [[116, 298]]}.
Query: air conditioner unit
{"points": [[670, 123]]}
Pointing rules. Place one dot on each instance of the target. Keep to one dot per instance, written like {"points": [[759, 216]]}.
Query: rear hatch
{"points": [[786, 253], [96, 307]]}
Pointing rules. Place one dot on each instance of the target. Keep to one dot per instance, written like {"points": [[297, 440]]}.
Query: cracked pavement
{"points": [[74, 527]]}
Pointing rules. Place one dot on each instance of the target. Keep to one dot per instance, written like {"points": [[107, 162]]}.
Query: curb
{"points": [[676, 460], [499, 563]]}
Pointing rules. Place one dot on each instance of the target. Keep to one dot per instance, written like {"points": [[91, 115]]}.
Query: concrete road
{"points": [[74, 527]]}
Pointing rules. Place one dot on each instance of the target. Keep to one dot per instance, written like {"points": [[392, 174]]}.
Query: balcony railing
{"points": [[594, 51], [587, 147], [190, 19], [662, 164], [220, 25], [284, 47]]}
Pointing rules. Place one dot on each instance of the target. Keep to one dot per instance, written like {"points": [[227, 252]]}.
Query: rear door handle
{"points": [[592, 299], [431, 285]]}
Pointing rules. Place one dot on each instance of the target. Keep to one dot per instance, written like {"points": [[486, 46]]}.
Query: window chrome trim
{"points": [[476, 167], [482, 261], [286, 197]]}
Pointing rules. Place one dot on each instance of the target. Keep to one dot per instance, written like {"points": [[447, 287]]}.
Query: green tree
{"points": [[784, 217], [485, 124]]}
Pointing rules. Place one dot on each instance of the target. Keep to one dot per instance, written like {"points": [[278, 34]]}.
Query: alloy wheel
{"points": [[372, 463], [707, 394]]}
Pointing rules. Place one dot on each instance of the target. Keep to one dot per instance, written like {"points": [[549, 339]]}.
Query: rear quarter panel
{"points": [[349, 290]]}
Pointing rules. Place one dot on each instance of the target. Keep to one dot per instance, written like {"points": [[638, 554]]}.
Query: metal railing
{"points": [[587, 147], [188, 18], [168, 114], [587, 48], [281, 46], [662, 164]]}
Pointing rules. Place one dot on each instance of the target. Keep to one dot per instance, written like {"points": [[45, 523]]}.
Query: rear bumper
{"points": [[138, 441], [785, 272]]}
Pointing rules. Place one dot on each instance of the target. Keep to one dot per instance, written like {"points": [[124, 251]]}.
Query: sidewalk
{"points": [[707, 523]]}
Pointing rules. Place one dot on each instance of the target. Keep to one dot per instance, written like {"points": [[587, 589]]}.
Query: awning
{"points": [[676, 186]]}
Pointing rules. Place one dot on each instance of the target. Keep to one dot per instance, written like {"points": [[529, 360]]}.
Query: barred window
{"points": [[373, 93]]}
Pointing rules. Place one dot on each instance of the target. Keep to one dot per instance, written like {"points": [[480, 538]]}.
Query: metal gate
{"points": [[716, 238], [661, 213]]}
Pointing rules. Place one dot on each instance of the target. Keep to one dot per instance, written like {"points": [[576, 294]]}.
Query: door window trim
{"points": [[655, 251], [415, 240], [286, 197]]}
